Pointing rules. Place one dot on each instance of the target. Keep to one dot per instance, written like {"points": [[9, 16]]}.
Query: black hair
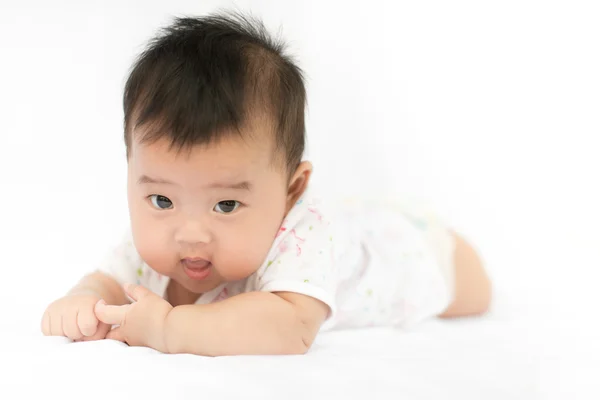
{"points": [[203, 77]]}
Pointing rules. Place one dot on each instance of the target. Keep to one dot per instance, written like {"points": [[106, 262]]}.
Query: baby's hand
{"points": [[73, 316]]}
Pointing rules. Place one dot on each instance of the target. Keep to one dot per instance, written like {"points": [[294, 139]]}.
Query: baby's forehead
{"points": [[228, 156]]}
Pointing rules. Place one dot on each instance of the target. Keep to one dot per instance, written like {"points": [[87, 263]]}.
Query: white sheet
{"points": [[487, 358]]}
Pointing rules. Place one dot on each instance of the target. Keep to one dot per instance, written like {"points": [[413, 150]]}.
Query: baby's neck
{"points": [[177, 295]]}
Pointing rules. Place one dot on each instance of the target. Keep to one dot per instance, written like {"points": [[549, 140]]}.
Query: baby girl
{"points": [[230, 251]]}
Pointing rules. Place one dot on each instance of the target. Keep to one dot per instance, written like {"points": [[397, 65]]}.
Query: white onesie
{"points": [[372, 262]]}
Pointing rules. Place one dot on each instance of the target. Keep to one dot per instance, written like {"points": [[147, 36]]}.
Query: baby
{"points": [[230, 251]]}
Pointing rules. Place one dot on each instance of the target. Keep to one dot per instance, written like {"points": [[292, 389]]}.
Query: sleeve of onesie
{"points": [[122, 262], [301, 259]]}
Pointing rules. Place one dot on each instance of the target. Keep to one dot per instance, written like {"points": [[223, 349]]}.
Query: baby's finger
{"points": [[136, 292], [70, 327], [87, 321], [100, 333], [56, 324], [113, 315], [116, 334]]}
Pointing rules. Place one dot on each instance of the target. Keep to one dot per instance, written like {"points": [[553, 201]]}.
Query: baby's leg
{"points": [[472, 285]]}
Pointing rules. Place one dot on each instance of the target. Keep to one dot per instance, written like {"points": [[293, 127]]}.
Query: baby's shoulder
{"points": [[310, 213]]}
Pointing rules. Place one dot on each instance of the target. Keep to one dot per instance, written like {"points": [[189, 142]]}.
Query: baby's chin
{"points": [[213, 280], [200, 287]]}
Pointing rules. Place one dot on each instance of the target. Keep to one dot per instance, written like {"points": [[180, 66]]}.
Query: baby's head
{"points": [[214, 130]]}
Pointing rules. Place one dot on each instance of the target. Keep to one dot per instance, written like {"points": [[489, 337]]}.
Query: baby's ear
{"points": [[298, 183]]}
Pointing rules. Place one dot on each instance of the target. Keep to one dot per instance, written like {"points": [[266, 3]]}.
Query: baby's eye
{"points": [[226, 206], [161, 202]]}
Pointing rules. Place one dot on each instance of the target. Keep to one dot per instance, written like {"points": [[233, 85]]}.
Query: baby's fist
{"points": [[73, 316]]}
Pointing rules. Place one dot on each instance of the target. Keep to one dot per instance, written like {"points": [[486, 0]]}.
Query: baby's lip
{"points": [[195, 262]]}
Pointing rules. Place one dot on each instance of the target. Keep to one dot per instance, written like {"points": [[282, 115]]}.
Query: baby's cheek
{"points": [[243, 259], [240, 265], [152, 250]]}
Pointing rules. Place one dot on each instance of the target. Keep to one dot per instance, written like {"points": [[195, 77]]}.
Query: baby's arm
{"points": [[102, 286], [249, 323]]}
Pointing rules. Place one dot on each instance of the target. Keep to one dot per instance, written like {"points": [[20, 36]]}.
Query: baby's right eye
{"points": [[161, 202]]}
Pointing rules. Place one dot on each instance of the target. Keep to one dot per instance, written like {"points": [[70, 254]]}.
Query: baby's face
{"points": [[206, 216]]}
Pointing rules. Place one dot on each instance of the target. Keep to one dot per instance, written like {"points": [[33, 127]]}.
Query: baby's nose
{"points": [[192, 232]]}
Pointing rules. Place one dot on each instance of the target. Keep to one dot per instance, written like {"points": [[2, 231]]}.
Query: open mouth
{"points": [[196, 268]]}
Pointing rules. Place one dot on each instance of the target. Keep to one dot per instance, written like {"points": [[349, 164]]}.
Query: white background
{"points": [[489, 111]]}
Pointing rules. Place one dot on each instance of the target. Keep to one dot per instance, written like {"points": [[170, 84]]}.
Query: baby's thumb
{"points": [[87, 321]]}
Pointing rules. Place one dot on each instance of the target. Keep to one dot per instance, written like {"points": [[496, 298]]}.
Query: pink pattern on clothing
{"points": [[281, 230], [293, 231], [283, 247], [317, 213], [298, 251]]}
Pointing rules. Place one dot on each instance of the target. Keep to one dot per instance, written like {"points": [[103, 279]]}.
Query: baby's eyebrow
{"points": [[146, 179], [244, 185]]}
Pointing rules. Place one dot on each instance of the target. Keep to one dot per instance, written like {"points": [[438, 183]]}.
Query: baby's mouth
{"points": [[195, 263], [196, 268]]}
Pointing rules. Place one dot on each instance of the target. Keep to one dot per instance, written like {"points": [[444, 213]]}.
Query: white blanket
{"points": [[486, 358]]}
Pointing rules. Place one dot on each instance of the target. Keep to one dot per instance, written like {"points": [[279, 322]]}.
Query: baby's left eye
{"points": [[226, 206], [160, 202]]}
